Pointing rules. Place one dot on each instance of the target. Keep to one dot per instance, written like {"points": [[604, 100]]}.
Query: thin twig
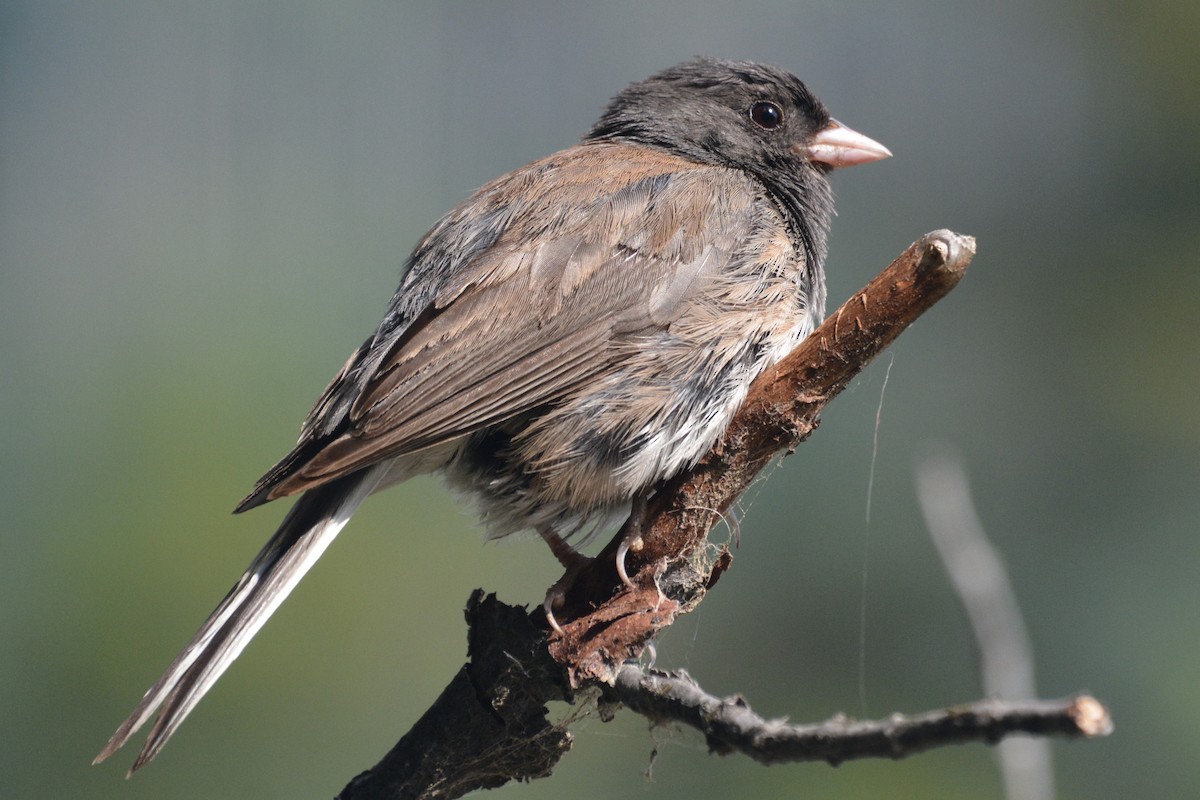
{"points": [[980, 579], [729, 725]]}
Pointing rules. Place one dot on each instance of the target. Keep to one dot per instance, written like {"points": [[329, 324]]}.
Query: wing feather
{"points": [[581, 265]]}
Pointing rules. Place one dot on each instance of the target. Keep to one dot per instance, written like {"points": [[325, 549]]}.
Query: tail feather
{"points": [[313, 522]]}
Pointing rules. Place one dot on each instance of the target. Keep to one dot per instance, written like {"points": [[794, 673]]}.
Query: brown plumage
{"points": [[574, 333]]}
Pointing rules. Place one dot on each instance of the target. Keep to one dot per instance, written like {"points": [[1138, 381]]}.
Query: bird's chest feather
{"points": [[669, 394]]}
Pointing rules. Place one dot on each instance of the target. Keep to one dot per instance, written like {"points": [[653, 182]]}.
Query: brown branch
{"points": [[489, 725], [729, 725], [609, 624]]}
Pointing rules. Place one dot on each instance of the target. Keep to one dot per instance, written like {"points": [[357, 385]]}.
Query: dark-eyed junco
{"points": [[575, 332]]}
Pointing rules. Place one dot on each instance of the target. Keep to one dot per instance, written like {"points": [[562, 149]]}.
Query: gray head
{"points": [[731, 113], [742, 115]]}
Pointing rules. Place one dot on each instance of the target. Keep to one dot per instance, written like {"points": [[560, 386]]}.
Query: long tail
{"points": [[313, 522]]}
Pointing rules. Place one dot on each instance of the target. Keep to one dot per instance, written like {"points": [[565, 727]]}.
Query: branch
{"points": [[980, 580], [603, 623], [729, 725], [489, 725]]}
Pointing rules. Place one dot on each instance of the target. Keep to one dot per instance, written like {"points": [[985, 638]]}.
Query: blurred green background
{"points": [[203, 209]]}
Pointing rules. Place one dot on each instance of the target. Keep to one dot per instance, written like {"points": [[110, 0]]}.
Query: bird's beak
{"points": [[837, 146]]}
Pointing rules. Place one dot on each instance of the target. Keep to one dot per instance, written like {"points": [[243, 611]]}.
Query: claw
{"points": [[631, 538], [554, 599], [623, 550], [573, 561]]}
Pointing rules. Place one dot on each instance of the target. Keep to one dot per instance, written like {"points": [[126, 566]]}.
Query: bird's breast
{"points": [[667, 396]]}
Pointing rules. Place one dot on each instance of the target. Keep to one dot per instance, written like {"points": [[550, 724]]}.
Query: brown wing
{"points": [[597, 243]]}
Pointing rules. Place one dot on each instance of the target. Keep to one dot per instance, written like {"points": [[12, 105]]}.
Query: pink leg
{"points": [[573, 562], [632, 534]]}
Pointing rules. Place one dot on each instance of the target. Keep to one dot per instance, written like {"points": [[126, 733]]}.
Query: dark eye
{"points": [[766, 115]]}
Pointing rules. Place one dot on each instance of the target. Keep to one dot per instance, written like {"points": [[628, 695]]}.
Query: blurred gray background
{"points": [[203, 210]]}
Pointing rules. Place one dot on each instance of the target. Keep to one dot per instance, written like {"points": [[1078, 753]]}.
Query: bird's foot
{"points": [[573, 561], [631, 536]]}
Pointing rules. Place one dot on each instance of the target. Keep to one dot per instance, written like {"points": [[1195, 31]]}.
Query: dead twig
{"points": [[730, 726]]}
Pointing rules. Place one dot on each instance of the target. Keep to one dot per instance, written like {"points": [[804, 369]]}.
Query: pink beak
{"points": [[838, 146]]}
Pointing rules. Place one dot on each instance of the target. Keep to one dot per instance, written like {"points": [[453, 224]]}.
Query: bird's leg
{"points": [[573, 562], [631, 536]]}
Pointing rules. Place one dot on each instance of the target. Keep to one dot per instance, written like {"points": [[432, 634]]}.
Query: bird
{"points": [[571, 335]]}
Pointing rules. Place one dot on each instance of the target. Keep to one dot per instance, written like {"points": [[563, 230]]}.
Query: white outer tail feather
{"points": [[309, 527]]}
